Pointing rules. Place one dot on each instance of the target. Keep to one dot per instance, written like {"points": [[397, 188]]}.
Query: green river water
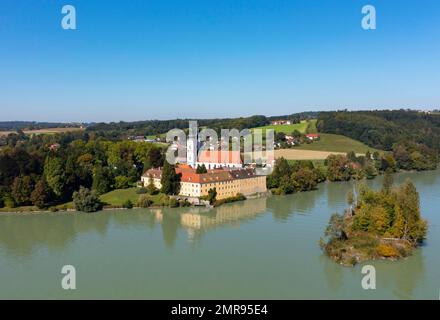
{"points": [[262, 248]]}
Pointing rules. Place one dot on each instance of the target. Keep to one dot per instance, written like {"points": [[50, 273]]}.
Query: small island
{"points": [[384, 224]]}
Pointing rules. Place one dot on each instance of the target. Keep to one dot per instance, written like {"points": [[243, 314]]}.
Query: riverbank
{"points": [[114, 200], [361, 247]]}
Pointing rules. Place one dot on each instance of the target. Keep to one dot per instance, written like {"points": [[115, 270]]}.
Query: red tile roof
{"points": [[209, 156], [189, 174]]}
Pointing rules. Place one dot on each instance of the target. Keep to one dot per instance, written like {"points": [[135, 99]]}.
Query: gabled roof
{"points": [[209, 156]]}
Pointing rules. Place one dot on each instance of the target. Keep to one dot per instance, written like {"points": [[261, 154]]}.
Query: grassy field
{"points": [[119, 196], [312, 126], [43, 131], [286, 128], [113, 198], [316, 162], [297, 154], [336, 143]]}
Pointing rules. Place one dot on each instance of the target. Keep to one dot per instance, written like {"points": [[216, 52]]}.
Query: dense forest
{"points": [[44, 170], [33, 125], [386, 128], [156, 127]]}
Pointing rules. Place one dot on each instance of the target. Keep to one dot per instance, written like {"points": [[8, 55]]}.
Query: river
{"points": [[262, 248]]}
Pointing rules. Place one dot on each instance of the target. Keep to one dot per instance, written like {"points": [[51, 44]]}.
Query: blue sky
{"points": [[161, 59]]}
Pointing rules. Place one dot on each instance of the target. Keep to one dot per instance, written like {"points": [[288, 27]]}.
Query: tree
{"points": [[280, 137], [21, 190], [212, 195], [296, 134], [304, 179], [156, 158], [170, 180], [41, 194], [55, 175], [368, 155], [151, 188], [389, 163], [335, 227], [86, 200], [201, 169], [352, 156], [387, 181], [3, 194], [338, 168], [282, 169], [414, 228], [102, 180], [122, 182]]}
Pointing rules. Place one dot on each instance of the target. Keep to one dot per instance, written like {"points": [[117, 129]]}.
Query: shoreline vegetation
{"points": [[385, 224]]}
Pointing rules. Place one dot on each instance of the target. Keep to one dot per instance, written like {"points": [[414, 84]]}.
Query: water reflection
{"points": [[283, 207], [21, 233]]}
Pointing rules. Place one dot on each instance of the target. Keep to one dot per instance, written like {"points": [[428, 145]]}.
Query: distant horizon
{"points": [[223, 117]]}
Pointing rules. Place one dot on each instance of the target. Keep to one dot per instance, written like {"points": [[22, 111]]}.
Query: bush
{"points": [[127, 204], [86, 200], [141, 191], [151, 189], [388, 251], [173, 203], [122, 182], [238, 197], [9, 202], [184, 203], [144, 201], [53, 209]]}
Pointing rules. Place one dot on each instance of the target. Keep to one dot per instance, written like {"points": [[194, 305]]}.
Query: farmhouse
{"points": [[312, 136], [280, 122]]}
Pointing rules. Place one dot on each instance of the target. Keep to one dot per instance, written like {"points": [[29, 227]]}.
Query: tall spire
{"points": [[192, 144]]}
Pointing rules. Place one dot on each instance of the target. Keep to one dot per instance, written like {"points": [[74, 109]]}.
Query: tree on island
{"points": [[385, 223], [387, 181]]}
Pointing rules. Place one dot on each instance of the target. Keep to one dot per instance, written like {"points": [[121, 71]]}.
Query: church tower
{"points": [[192, 144]]}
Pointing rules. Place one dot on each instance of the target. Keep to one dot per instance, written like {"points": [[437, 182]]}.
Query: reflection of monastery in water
{"points": [[197, 221]]}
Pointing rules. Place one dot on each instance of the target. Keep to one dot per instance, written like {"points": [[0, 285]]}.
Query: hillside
{"points": [[286, 128], [336, 143], [383, 129]]}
